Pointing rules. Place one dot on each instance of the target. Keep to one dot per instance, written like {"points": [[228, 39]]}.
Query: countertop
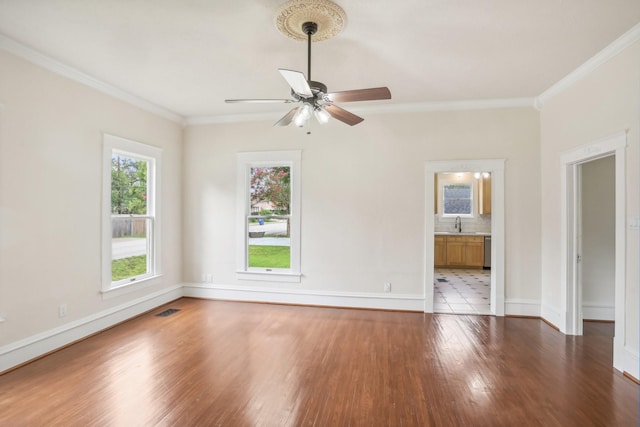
{"points": [[464, 233]]}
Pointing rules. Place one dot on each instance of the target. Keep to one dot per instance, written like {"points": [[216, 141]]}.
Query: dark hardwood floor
{"points": [[220, 363]]}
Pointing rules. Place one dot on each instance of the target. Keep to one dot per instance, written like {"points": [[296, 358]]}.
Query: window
{"points": [[269, 215], [457, 199], [130, 220]]}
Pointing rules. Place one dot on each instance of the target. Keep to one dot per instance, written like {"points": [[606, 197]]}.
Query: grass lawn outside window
{"points": [[128, 267], [270, 256]]}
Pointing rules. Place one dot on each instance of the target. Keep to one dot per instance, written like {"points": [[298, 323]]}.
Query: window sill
{"points": [[129, 287], [269, 276]]}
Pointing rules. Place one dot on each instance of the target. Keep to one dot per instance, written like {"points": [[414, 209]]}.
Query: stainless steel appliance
{"points": [[487, 252]]}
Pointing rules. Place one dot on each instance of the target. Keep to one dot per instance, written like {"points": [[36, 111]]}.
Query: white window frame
{"points": [[153, 156], [474, 198], [245, 161]]}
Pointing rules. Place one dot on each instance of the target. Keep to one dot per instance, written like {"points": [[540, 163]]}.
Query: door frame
{"points": [[571, 322], [496, 167]]}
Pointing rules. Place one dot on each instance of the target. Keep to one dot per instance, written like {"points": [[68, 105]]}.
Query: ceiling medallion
{"points": [[330, 18]]}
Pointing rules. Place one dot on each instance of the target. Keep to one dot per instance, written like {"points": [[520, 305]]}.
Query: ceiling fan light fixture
{"points": [[321, 115], [303, 115], [314, 19]]}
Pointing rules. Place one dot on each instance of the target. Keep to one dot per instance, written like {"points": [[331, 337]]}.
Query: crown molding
{"points": [[416, 107], [609, 52], [233, 118], [623, 42], [44, 61], [471, 104]]}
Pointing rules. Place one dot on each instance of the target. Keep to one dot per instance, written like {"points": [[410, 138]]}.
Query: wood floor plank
{"points": [[218, 363]]}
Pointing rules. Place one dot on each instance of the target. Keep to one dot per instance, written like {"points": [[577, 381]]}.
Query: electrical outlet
{"points": [[203, 278], [62, 310], [387, 287], [2, 319], [209, 278]]}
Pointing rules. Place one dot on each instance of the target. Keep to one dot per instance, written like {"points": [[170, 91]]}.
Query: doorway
{"points": [[496, 168], [572, 239], [596, 239], [462, 248]]}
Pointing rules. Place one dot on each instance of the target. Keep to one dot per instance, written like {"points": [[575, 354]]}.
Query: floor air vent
{"points": [[442, 280], [168, 312]]}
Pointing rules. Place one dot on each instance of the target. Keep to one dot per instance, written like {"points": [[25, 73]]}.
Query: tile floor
{"points": [[462, 291]]}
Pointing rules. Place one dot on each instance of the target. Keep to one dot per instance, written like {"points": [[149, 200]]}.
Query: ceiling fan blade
{"points": [[260, 101], [287, 118], [297, 81], [343, 115], [370, 94]]}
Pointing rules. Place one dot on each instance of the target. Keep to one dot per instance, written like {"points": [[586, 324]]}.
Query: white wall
{"points": [[598, 238], [601, 104], [50, 201], [363, 197]]}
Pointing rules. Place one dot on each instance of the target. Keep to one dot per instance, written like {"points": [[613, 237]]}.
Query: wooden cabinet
{"points": [[474, 251], [484, 195], [455, 251], [440, 251], [459, 251]]}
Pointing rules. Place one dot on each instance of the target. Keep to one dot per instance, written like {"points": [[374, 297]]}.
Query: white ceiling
{"points": [[187, 56]]}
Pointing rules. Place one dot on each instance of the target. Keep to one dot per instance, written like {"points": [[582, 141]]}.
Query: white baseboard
{"points": [[553, 316], [591, 311], [625, 359], [19, 352], [522, 307], [317, 298], [22, 351]]}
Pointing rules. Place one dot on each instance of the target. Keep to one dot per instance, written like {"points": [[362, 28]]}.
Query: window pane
{"points": [[128, 185], [270, 190], [130, 243], [269, 224], [269, 242], [457, 199]]}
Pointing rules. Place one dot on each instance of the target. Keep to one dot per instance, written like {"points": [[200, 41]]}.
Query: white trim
{"points": [[584, 70], [22, 351], [522, 307], [496, 167], [629, 361], [601, 147], [415, 107], [595, 311], [265, 276], [571, 319], [153, 154], [244, 161], [58, 67], [305, 297], [139, 284], [551, 314]]}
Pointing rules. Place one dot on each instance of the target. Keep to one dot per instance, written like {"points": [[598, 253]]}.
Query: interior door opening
{"points": [[571, 321], [595, 240], [465, 247], [462, 243]]}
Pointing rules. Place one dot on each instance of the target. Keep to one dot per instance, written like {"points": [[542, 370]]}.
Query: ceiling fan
{"points": [[314, 97]]}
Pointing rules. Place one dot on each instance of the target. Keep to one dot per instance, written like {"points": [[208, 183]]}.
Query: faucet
{"points": [[458, 225]]}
